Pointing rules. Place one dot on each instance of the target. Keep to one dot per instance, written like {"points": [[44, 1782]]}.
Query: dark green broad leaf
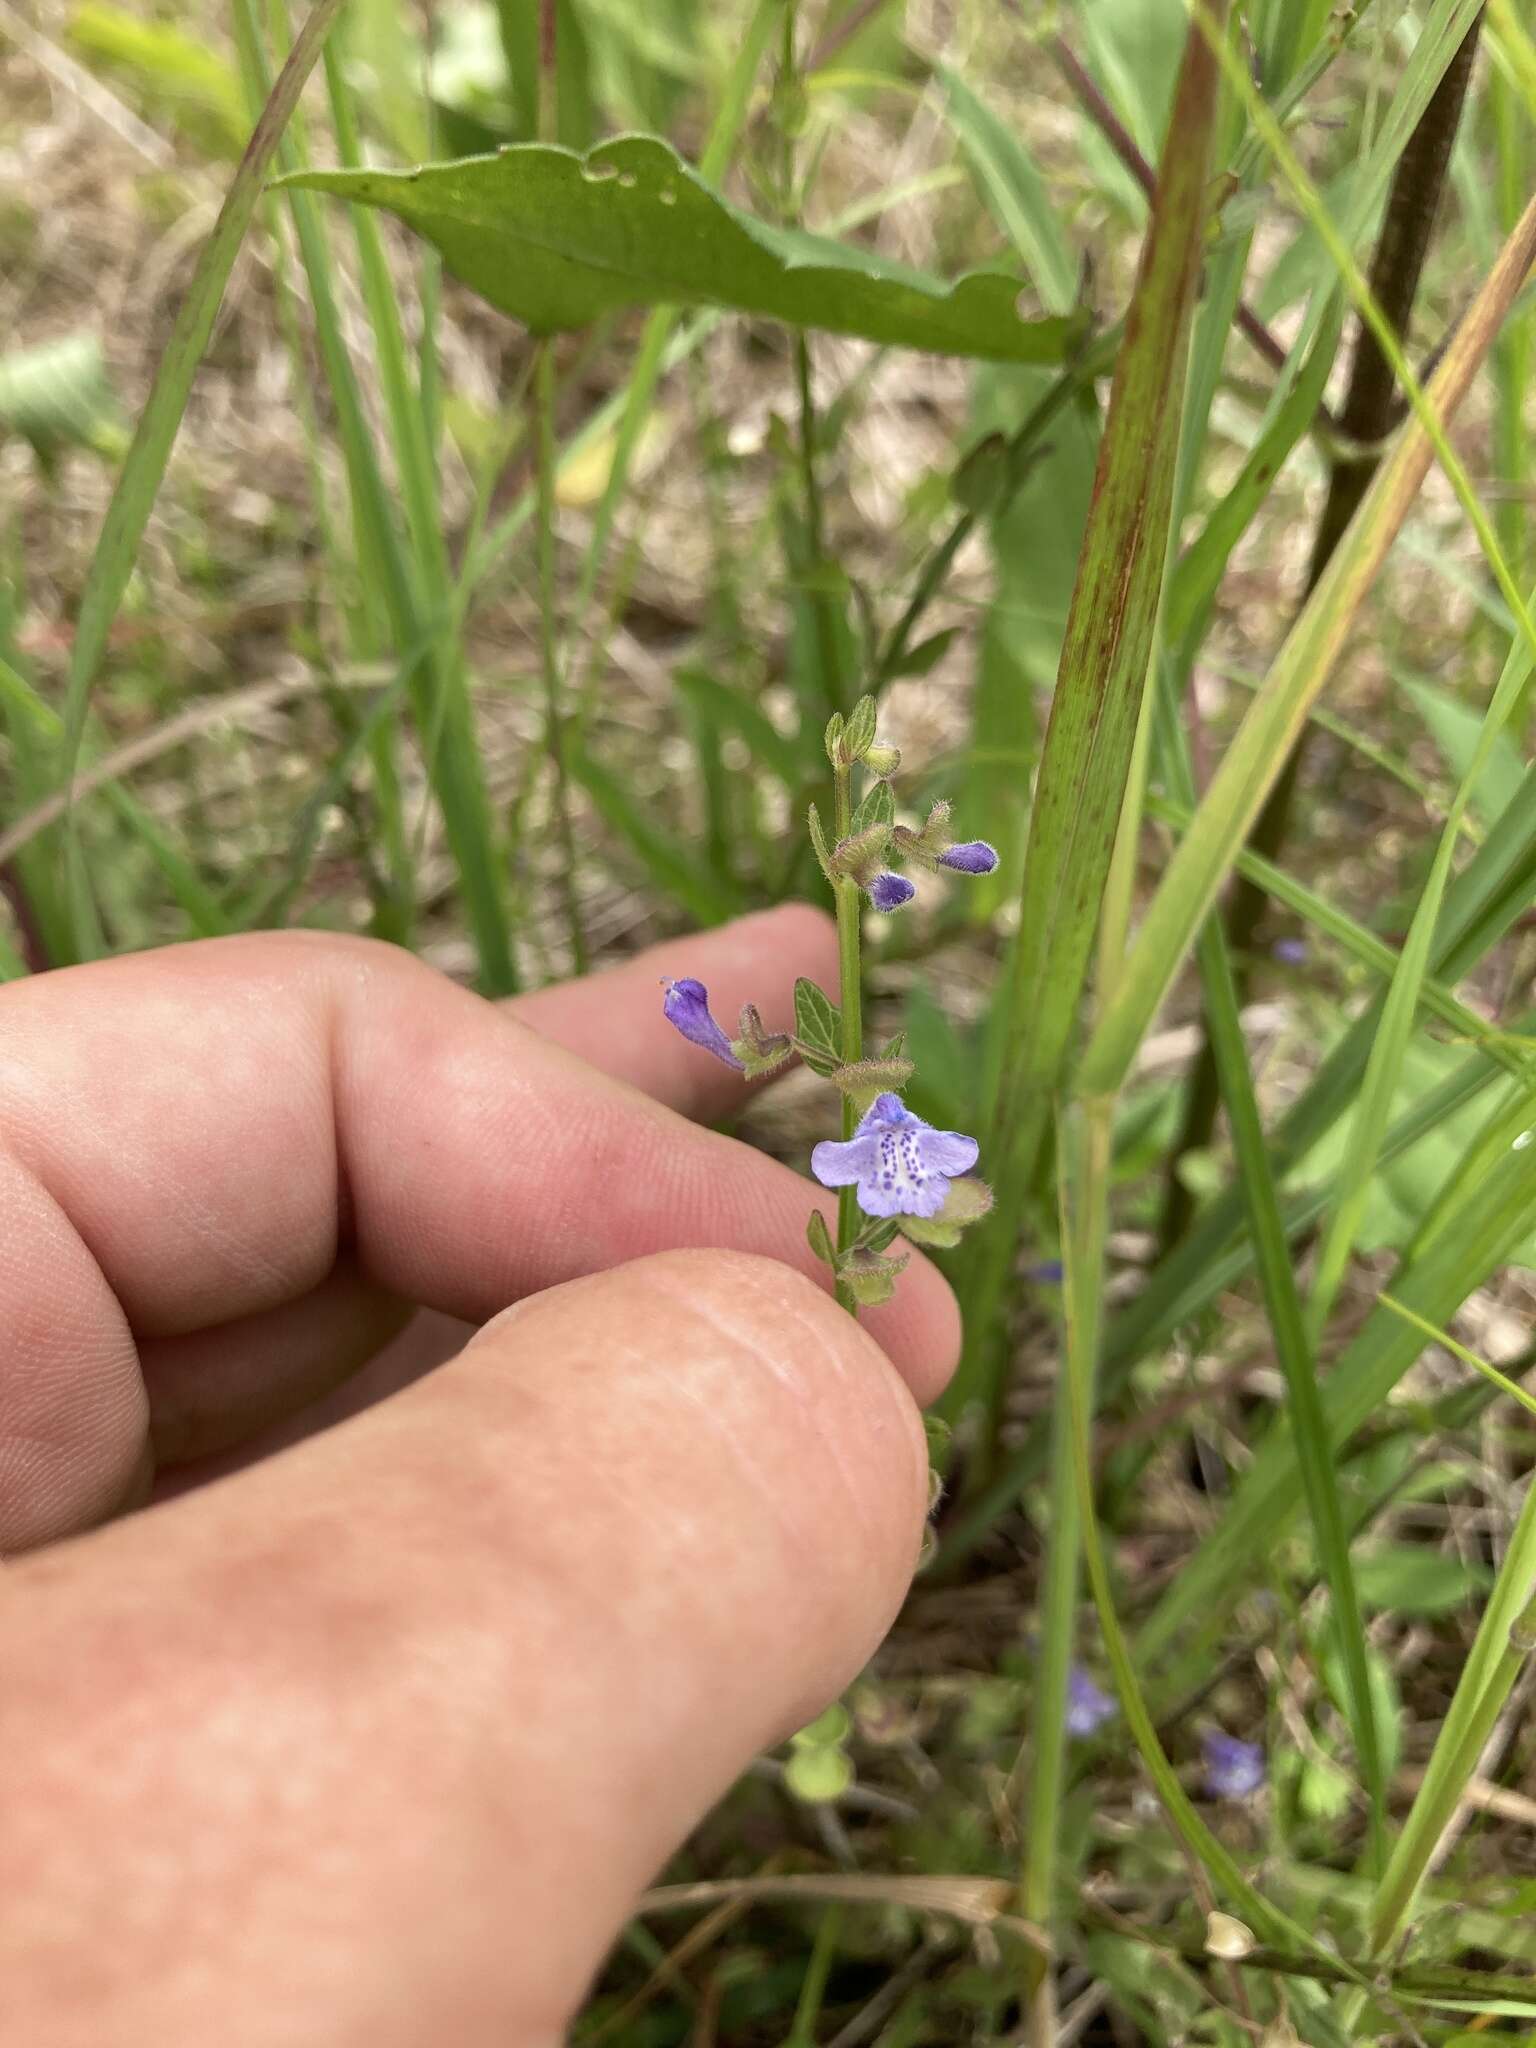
{"points": [[557, 240]]}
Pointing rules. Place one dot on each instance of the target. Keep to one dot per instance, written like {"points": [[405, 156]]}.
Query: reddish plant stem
{"points": [[1123, 143]]}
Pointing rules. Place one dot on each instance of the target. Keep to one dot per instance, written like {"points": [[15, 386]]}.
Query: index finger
{"points": [[190, 1137]]}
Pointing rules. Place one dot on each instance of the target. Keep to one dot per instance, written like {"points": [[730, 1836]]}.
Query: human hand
{"points": [[376, 1740]]}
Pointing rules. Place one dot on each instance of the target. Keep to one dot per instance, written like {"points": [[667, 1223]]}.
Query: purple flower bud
{"points": [[1048, 1273], [687, 1009], [970, 857], [1292, 952], [900, 1165], [1233, 1769], [1088, 1705], [889, 892]]}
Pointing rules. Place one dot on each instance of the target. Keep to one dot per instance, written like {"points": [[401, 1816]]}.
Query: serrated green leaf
{"points": [[558, 240], [817, 1019], [859, 732], [876, 808], [819, 1238], [819, 844]]}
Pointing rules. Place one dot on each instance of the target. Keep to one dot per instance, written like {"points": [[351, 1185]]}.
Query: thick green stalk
{"points": [[549, 650], [1086, 758]]}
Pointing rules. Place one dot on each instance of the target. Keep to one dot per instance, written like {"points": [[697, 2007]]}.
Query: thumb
{"points": [[378, 1741]]}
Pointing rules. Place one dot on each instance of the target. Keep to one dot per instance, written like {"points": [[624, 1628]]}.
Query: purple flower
{"points": [[687, 1008], [889, 892], [900, 1165], [970, 857], [1233, 1769], [1088, 1705], [1292, 952], [1049, 1273]]}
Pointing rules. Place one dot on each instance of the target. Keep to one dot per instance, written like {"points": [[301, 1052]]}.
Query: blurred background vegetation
{"points": [[517, 650]]}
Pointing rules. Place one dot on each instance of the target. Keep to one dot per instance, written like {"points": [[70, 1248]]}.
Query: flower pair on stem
{"points": [[895, 1173]]}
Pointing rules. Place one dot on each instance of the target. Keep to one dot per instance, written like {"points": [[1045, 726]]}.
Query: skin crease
{"points": [[374, 1738]]}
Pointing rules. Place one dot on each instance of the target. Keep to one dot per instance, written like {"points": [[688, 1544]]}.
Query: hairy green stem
{"points": [[850, 997]]}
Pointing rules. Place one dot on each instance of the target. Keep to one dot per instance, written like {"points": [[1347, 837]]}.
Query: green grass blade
{"points": [[144, 466], [1467, 1242], [1016, 193], [1282, 1302], [438, 687], [1086, 758], [1301, 669], [1200, 568], [1384, 1068], [671, 860], [1499, 1651], [1085, 1154]]}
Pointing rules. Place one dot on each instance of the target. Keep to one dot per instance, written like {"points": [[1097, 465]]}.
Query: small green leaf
{"points": [[818, 1059], [819, 1238], [819, 844], [832, 738], [926, 655], [878, 807], [558, 240], [1407, 1578], [859, 733], [818, 1023], [57, 395]]}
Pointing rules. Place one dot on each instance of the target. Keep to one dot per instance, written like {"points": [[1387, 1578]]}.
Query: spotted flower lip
{"points": [[1233, 1769], [1088, 1705], [969, 857], [889, 892], [687, 1009], [899, 1165]]}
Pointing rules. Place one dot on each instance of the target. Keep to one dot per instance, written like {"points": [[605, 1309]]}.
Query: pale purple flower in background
{"points": [[899, 1165], [1292, 952], [1233, 1769], [1088, 1705], [889, 892], [687, 1008], [969, 857], [1048, 1273]]}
